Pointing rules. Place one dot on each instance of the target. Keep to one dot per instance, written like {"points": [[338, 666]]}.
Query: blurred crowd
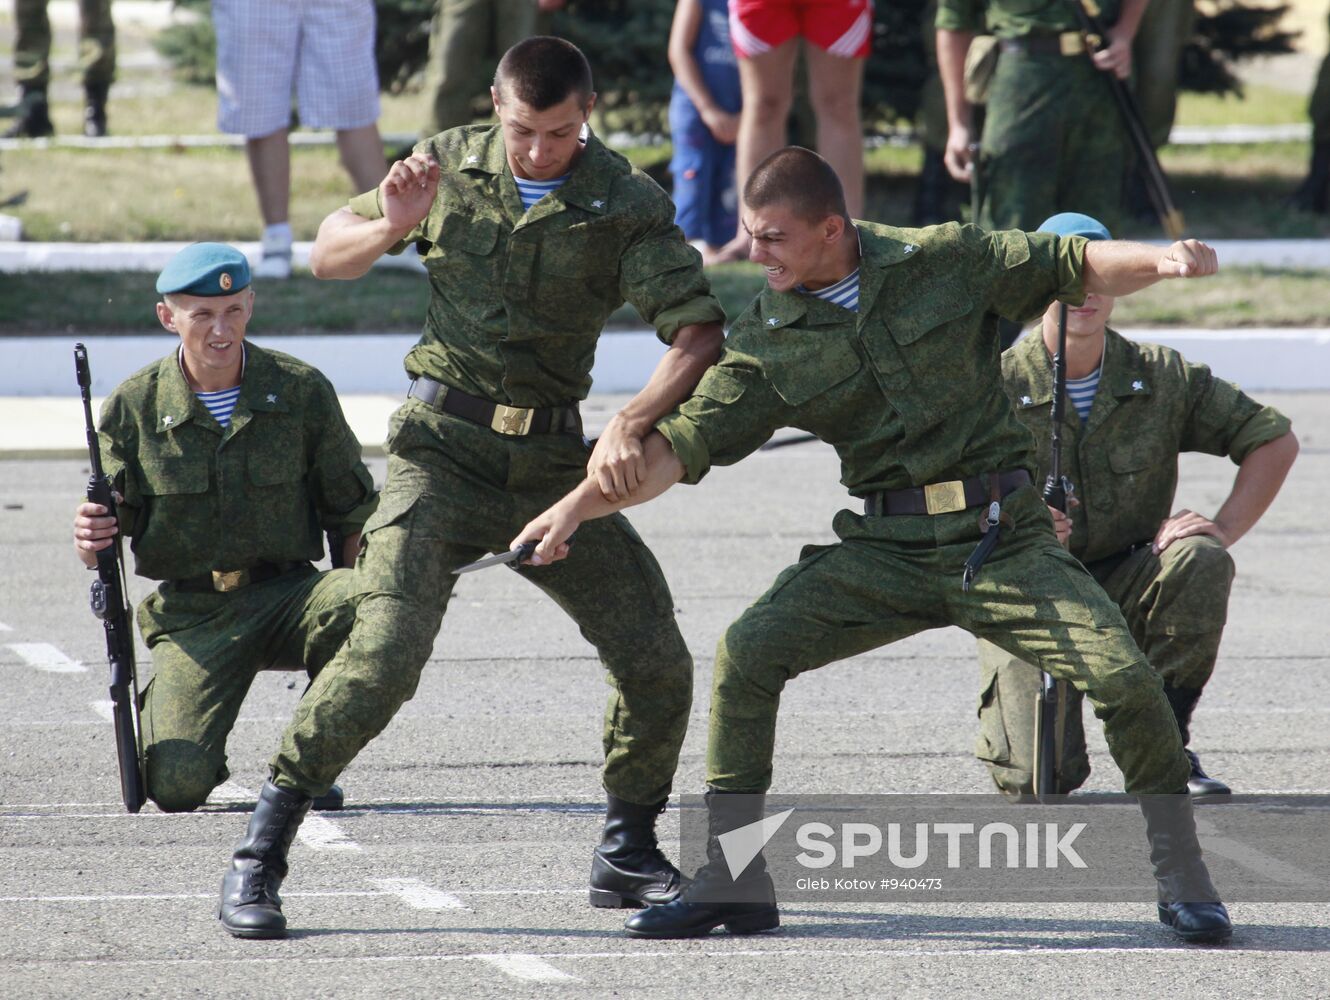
{"points": [[1017, 116]]}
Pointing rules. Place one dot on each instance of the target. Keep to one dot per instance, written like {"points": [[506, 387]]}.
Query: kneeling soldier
{"points": [[1134, 409], [229, 463], [882, 342]]}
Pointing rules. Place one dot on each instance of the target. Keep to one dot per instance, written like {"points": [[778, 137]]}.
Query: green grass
{"points": [[394, 301], [1258, 105]]}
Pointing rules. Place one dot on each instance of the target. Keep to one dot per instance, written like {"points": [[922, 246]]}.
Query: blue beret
{"points": [[1075, 224], [205, 269]]}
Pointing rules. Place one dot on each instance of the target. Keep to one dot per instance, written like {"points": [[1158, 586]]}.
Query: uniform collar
{"points": [[262, 389], [588, 186], [879, 249]]}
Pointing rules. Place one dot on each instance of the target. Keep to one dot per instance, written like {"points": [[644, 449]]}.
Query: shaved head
{"points": [[800, 179], [543, 71]]}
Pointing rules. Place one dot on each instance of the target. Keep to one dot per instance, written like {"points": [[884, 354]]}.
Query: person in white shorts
{"points": [[323, 52]]}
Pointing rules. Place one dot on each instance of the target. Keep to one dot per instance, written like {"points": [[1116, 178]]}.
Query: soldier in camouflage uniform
{"points": [[898, 369], [490, 434], [1313, 195], [1169, 574], [32, 70], [229, 516], [1052, 137]]}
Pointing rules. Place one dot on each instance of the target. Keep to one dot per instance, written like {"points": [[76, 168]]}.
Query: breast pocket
{"points": [[463, 251], [578, 275], [813, 369], [174, 476], [275, 470]]}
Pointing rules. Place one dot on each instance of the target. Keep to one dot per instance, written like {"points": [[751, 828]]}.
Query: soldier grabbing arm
{"points": [[1132, 409], [230, 462], [880, 342], [532, 232]]}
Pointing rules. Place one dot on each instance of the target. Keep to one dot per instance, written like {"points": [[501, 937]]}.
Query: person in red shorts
{"points": [[765, 35]]}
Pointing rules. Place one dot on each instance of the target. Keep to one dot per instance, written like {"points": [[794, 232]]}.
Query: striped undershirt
{"points": [[844, 293], [1081, 393], [533, 191], [221, 404]]}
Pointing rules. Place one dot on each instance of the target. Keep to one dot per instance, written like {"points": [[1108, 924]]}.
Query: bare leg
{"points": [[834, 85], [768, 90], [270, 166], [361, 150]]}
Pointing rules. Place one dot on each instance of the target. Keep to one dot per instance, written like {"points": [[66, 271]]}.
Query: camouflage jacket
{"points": [[909, 389], [1151, 405], [199, 498], [1014, 18], [518, 299]]}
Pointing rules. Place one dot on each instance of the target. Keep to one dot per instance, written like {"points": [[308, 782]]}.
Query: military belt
{"points": [[942, 498], [498, 417], [1068, 43], [1102, 569], [226, 580]]}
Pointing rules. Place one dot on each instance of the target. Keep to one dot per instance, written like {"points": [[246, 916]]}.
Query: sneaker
{"points": [[275, 262]]}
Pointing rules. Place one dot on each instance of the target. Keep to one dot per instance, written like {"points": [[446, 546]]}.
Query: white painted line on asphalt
{"points": [[138, 897], [106, 709], [687, 951], [530, 968], [44, 656], [320, 834], [1251, 858], [229, 791], [416, 894]]}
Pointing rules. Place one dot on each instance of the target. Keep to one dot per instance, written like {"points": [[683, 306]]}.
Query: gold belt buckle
{"points": [[1072, 43], [944, 498], [511, 419], [225, 581]]}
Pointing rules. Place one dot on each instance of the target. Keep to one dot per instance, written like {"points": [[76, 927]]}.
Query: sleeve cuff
{"points": [[1071, 270], [1263, 427], [366, 205], [703, 309], [688, 445]]}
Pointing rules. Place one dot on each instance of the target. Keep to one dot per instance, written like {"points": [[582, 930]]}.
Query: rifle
{"points": [[109, 603], [1058, 491], [1156, 184]]}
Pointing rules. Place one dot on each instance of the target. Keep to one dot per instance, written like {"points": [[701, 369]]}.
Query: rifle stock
{"points": [[109, 600]]}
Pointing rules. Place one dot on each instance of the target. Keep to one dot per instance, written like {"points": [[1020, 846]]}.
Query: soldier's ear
{"points": [[833, 228], [166, 316]]}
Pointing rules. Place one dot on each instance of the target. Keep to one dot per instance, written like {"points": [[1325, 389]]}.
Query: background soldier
{"points": [[1314, 193], [32, 70], [880, 342], [231, 462], [533, 232], [1052, 137], [466, 36], [1134, 408]]}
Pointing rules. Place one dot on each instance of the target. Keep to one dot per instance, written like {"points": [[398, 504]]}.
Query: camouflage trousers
{"points": [[457, 491], [1175, 604], [1052, 142], [1164, 31], [890, 577], [206, 650], [467, 37], [32, 45]]}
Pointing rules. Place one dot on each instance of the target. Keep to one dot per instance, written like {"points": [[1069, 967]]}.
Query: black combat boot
{"points": [[744, 903], [1313, 194], [94, 110], [251, 907], [628, 869], [34, 117], [1200, 785], [330, 801], [1188, 900]]}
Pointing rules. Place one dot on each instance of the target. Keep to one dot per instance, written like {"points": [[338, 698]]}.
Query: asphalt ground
{"points": [[459, 866]]}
